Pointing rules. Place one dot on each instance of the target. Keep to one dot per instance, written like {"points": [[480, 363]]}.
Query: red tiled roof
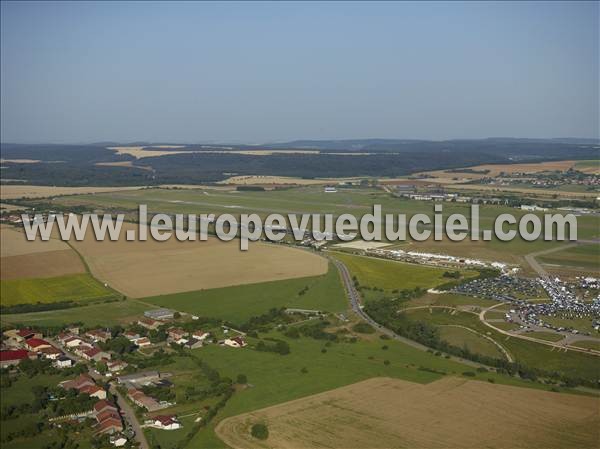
{"points": [[91, 389], [105, 414], [102, 404], [36, 342], [25, 332], [18, 354], [92, 352], [165, 420]]}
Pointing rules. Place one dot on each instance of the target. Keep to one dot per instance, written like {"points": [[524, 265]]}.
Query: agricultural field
{"points": [[587, 344], [591, 166], [10, 192], [73, 287], [391, 275], [93, 315], [310, 199], [238, 303], [23, 259], [383, 412], [146, 268]]}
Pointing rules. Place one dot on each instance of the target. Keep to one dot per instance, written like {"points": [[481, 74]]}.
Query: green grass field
{"points": [[548, 336], [581, 324], [391, 275], [581, 256], [587, 344], [460, 337], [238, 303], [102, 314], [356, 201], [535, 355], [73, 287], [278, 379]]}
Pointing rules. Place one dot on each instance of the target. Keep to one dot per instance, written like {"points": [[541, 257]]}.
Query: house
{"points": [[116, 365], [20, 335], [73, 330], [94, 391], [235, 342], [166, 422], [181, 341], [176, 333], [149, 323], [95, 354], [13, 357], [78, 383], [118, 440], [36, 344], [99, 335], [143, 342], [140, 399], [160, 314], [110, 426], [200, 335], [81, 348], [64, 362], [51, 353], [104, 405], [71, 341], [131, 336], [193, 344]]}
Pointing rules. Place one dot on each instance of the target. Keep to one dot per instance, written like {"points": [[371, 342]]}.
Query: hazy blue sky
{"points": [[256, 72]]}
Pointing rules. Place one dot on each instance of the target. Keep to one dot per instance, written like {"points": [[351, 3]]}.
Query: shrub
{"points": [[260, 431]]}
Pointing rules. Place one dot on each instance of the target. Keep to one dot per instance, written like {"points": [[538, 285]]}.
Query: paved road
{"points": [[131, 418], [355, 303], [538, 268]]}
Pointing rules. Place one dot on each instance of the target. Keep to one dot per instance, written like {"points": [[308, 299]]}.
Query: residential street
{"points": [[131, 418]]}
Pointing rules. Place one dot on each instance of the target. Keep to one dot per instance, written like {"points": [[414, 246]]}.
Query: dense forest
{"points": [[76, 165]]}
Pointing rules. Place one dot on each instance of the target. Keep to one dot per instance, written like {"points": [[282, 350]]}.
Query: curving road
{"points": [[355, 303]]}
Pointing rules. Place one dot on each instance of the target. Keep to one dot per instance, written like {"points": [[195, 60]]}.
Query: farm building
{"points": [[149, 323], [159, 314], [235, 342], [37, 344]]}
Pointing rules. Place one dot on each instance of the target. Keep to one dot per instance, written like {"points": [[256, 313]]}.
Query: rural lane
{"points": [[131, 418]]}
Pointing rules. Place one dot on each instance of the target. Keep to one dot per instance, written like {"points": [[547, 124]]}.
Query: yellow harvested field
{"points": [[447, 177], [20, 258], [28, 191], [41, 265], [14, 243], [450, 413], [139, 152], [21, 161], [150, 268]]}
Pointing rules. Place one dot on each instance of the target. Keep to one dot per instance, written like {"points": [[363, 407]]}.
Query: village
{"points": [[108, 392]]}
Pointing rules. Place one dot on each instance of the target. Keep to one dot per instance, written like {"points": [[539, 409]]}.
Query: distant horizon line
{"points": [[279, 142]]}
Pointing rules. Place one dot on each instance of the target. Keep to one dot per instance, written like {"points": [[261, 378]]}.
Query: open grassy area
{"points": [[587, 344], [102, 314], [475, 343], [581, 324], [238, 303], [585, 257], [535, 355], [391, 275], [549, 336], [310, 199], [75, 287], [276, 379]]}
